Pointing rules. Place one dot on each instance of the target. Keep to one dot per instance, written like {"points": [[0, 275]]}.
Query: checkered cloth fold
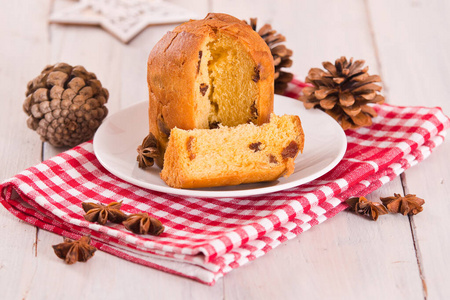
{"points": [[206, 238]]}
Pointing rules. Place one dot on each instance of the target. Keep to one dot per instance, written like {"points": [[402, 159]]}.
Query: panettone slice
{"points": [[233, 155]]}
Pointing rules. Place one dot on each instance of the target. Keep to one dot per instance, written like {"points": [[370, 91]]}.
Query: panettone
{"points": [[208, 72], [233, 155]]}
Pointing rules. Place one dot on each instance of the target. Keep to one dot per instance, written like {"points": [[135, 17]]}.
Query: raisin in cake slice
{"points": [[233, 155]]}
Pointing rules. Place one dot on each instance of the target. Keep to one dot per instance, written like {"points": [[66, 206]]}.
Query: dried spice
{"points": [[343, 92], [101, 213], [367, 208], [407, 205], [281, 56], [142, 223], [147, 151], [72, 251]]}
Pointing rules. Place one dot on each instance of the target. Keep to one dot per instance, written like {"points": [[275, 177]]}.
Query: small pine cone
{"points": [[65, 104], [281, 55], [343, 92]]}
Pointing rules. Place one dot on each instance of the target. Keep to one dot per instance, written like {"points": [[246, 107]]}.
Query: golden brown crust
{"points": [[186, 182], [172, 70]]}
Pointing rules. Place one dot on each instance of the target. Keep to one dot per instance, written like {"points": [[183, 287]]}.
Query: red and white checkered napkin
{"points": [[206, 238]]}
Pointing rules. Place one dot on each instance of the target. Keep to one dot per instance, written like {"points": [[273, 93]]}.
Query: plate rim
{"points": [[215, 194]]}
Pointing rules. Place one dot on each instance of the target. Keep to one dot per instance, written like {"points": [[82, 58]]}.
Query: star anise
{"points": [[142, 223], [407, 205], [72, 251], [101, 213], [367, 208], [147, 151]]}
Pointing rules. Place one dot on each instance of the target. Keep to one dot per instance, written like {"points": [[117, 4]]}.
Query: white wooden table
{"points": [[407, 42]]}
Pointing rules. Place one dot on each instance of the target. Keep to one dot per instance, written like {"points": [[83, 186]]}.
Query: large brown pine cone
{"points": [[65, 104], [343, 91]]}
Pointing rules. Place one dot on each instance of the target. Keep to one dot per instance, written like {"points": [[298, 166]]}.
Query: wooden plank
{"points": [[107, 276], [24, 57], [316, 31], [24, 51], [333, 259], [414, 46], [122, 70]]}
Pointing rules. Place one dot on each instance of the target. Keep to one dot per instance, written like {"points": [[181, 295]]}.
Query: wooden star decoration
{"points": [[125, 19]]}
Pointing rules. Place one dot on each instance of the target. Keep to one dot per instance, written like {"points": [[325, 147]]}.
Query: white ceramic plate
{"points": [[116, 140]]}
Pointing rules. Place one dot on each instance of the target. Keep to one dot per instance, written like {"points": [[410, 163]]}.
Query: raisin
{"points": [[253, 110], [214, 125], [272, 159], [189, 142], [255, 146], [162, 126], [203, 88], [200, 54], [256, 76], [290, 151]]}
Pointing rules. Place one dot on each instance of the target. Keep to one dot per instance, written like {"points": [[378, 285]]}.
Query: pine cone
{"points": [[65, 104], [343, 92], [281, 55]]}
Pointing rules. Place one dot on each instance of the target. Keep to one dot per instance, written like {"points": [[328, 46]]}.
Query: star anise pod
{"points": [[72, 251], [142, 223], [367, 208], [147, 151], [343, 91], [407, 205], [101, 213]]}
